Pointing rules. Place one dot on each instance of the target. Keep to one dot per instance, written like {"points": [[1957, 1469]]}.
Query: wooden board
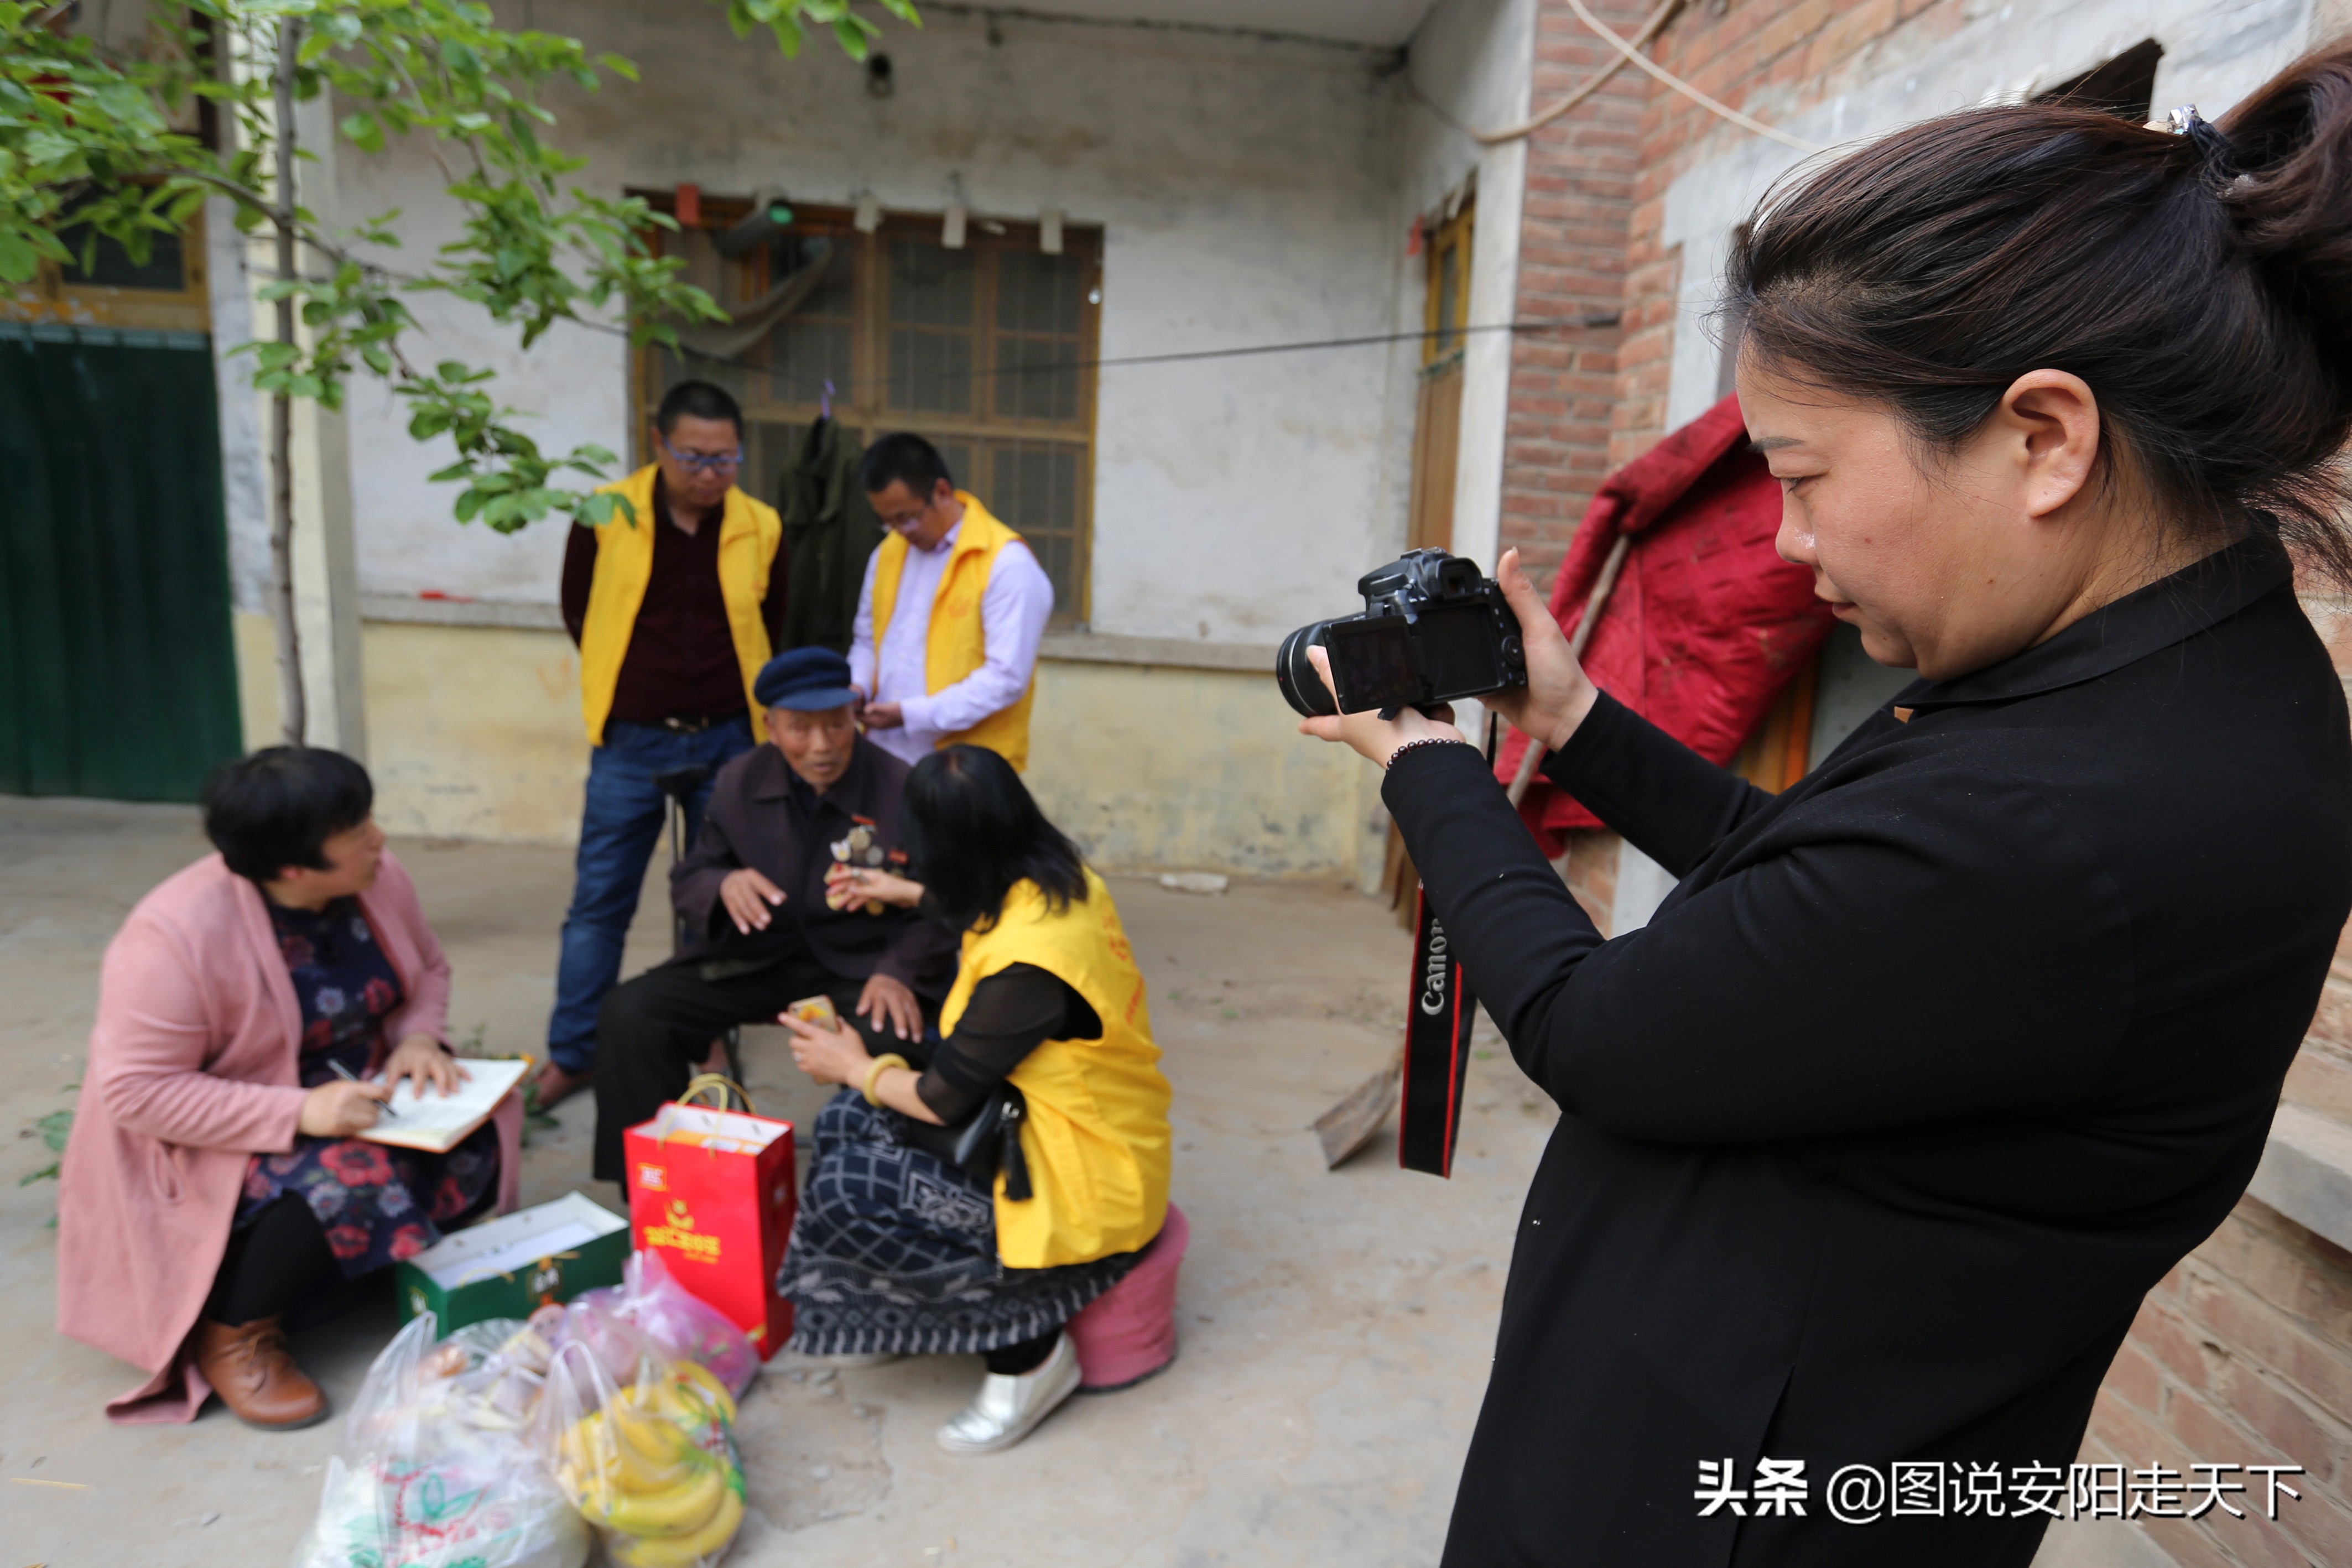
{"points": [[1349, 1125]]}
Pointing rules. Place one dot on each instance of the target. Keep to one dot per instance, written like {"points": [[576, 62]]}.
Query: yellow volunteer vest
{"points": [[749, 533], [1096, 1137], [958, 644]]}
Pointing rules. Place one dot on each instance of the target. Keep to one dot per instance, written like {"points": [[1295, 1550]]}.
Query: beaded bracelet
{"points": [[1425, 740], [882, 1064]]}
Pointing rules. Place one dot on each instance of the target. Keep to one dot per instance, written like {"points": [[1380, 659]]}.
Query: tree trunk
{"points": [[291, 700]]}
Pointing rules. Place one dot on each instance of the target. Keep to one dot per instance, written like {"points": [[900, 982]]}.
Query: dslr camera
{"points": [[1431, 630]]}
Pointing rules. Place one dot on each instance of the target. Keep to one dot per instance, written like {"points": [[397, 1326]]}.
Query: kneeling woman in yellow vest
{"points": [[972, 1192]]}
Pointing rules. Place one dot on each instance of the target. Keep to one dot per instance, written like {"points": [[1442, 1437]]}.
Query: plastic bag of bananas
{"points": [[645, 1448]]}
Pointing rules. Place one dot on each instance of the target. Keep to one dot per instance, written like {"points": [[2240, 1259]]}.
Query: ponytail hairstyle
{"points": [[2199, 282], [974, 832]]}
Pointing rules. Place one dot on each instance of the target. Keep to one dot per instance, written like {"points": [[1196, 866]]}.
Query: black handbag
{"points": [[990, 1141]]}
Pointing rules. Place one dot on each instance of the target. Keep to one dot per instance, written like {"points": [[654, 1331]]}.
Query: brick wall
{"points": [[1572, 234], [2242, 1355], [1770, 59]]}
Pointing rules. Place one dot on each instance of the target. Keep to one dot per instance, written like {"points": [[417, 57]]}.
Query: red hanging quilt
{"points": [[1706, 624]]}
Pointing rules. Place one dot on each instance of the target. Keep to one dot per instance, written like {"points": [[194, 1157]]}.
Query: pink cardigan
{"points": [[192, 1070]]}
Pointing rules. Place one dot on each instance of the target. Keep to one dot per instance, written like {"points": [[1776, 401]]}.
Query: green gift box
{"points": [[511, 1266]]}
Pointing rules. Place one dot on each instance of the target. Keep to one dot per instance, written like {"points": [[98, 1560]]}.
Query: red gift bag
{"points": [[711, 1191]]}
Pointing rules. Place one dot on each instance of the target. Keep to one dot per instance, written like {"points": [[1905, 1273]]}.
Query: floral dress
{"points": [[378, 1204]]}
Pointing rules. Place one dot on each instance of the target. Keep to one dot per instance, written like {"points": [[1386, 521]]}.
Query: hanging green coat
{"points": [[830, 529]]}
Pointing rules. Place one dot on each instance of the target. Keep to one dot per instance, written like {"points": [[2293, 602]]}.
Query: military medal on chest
{"points": [[862, 849]]}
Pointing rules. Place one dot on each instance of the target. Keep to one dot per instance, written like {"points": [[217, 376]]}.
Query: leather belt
{"points": [[690, 725]]}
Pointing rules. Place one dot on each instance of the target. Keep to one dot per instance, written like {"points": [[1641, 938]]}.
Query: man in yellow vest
{"points": [[945, 644], [674, 611]]}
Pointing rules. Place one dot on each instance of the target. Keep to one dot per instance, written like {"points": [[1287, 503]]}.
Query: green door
{"points": [[118, 676]]}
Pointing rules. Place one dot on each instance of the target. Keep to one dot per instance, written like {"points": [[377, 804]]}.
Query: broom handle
{"points": [[1533, 756]]}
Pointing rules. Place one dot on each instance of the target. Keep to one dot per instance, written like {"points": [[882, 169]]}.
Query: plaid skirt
{"points": [[895, 1250]]}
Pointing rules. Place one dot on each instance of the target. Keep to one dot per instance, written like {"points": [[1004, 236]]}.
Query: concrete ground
{"points": [[1336, 1326]]}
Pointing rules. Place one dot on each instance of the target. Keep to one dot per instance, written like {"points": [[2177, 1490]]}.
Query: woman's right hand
{"points": [[847, 885], [1558, 693], [338, 1109]]}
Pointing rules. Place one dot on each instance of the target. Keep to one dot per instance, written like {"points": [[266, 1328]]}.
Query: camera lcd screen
{"points": [[1370, 666], [1458, 652]]}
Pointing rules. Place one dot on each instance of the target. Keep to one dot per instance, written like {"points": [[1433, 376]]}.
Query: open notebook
{"points": [[440, 1123]]}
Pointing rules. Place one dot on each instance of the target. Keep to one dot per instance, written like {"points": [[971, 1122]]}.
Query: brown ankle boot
{"points": [[254, 1373]]}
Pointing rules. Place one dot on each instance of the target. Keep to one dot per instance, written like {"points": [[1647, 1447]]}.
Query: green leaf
{"points": [[18, 260], [365, 132], [53, 1128]]}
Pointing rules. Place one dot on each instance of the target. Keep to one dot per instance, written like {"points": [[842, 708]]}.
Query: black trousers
{"points": [[271, 1264], [652, 1031]]}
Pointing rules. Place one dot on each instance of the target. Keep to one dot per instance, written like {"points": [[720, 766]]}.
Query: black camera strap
{"points": [[1438, 1021]]}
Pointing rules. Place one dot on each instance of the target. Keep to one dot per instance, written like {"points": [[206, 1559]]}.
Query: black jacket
{"points": [[830, 529], [1873, 1139], [763, 816]]}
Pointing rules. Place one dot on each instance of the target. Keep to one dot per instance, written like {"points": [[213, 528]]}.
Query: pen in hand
{"points": [[348, 1076]]}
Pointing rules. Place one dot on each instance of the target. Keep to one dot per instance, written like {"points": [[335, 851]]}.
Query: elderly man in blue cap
{"points": [[753, 892]]}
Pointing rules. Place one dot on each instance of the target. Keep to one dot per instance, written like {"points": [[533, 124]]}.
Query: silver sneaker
{"points": [[1008, 1408]]}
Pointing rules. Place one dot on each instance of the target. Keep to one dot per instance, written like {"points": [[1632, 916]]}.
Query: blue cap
{"points": [[805, 680]]}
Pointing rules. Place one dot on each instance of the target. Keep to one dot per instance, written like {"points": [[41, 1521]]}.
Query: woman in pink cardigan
{"points": [[212, 1181]]}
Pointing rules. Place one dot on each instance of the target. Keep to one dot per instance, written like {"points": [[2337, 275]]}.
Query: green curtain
{"points": [[118, 674]]}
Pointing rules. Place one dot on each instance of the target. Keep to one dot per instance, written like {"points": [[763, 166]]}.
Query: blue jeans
{"points": [[617, 833]]}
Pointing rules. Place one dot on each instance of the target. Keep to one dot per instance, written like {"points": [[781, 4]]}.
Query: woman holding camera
{"points": [[976, 1199], [1874, 1138]]}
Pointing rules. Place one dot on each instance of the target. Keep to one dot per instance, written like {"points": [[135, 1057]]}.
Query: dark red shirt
{"points": [[681, 661]]}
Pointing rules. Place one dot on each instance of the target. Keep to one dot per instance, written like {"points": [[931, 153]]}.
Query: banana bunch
{"points": [[656, 1470]]}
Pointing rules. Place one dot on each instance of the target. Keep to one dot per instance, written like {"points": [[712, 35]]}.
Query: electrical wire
{"points": [[1634, 57], [1558, 324], [1586, 323], [1665, 14]]}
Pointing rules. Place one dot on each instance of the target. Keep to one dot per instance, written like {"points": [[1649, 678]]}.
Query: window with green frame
{"points": [[988, 351]]}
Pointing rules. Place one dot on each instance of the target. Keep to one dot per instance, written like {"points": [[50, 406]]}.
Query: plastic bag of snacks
{"points": [[681, 1324], [643, 1445], [436, 1468]]}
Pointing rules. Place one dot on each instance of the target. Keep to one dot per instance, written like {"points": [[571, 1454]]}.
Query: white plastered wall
{"points": [[1246, 193]]}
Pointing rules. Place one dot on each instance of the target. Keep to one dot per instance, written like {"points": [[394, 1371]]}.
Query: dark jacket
{"points": [[1873, 1139], [764, 816], [830, 529]]}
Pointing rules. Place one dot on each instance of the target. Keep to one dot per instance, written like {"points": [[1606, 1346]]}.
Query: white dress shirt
{"points": [[1012, 616]]}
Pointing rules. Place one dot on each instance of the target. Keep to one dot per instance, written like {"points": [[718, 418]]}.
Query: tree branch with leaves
{"points": [[87, 150]]}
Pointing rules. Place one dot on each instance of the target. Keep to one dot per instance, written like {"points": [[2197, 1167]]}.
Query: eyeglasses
{"points": [[706, 462]]}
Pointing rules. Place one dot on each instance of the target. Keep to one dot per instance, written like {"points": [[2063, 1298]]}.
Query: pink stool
{"points": [[1129, 1331]]}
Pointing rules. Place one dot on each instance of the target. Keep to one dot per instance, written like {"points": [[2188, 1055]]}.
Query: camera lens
{"points": [[1302, 688]]}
